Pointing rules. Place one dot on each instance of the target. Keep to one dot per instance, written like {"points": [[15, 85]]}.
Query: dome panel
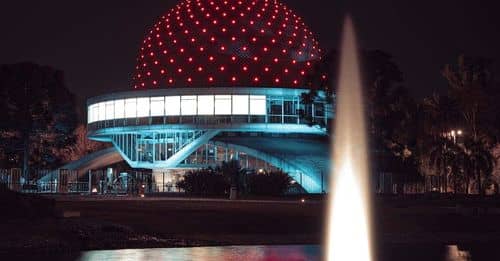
{"points": [[227, 43]]}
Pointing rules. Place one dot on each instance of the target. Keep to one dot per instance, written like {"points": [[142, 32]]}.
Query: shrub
{"points": [[269, 184], [204, 182]]}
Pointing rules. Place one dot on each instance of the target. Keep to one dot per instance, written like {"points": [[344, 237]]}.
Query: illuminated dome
{"points": [[225, 43]]}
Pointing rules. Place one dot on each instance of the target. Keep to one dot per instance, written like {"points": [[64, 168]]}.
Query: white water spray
{"points": [[348, 234]]}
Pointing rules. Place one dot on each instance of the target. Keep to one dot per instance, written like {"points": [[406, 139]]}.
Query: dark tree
{"points": [[269, 184], [38, 114], [204, 182]]}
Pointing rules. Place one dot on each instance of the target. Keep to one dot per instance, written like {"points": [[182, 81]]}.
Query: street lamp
{"points": [[455, 133]]}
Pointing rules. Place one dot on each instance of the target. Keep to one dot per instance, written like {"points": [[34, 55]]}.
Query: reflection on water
{"points": [[272, 253], [248, 253]]}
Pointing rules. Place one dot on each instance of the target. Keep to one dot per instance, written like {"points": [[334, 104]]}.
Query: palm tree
{"points": [[471, 84], [441, 154], [479, 160], [234, 173]]}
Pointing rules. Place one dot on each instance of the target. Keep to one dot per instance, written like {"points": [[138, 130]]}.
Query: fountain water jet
{"points": [[348, 234]]}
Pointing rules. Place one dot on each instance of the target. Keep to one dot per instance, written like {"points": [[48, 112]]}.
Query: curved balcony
{"points": [[238, 109]]}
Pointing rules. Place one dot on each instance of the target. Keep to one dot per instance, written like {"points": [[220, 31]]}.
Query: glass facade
{"points": [[207, 109], [189, 105]]}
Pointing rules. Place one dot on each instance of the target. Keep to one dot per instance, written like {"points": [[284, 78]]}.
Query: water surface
{"points": [[247, 253]]}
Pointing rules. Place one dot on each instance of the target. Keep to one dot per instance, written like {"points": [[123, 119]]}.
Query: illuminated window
{"points": [[110, 110], [257, 105], [222, 104], [142, 107], [172, 105], [131, 108], [119, 109], [206, 105], [240, 104], [93, 113], [89, 114], [188, 105], [102, 111], [157, 106]]}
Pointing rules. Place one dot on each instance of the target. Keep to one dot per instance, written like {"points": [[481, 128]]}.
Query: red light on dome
{"points": [[154, 83], [277, 80], [162, 71], [190, 59], [256, 79], [200, 69], [210, 79], [233, 58], [189, 79], [201, 49], [302, 72], [211, 58], [276, 60], [179, 70], [295, 82], [222, 68], [233, 79], [245, 68], [266, 69], [256, 58]]}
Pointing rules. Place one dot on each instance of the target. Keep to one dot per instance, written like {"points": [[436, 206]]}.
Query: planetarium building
{"points": [[217, 80]]}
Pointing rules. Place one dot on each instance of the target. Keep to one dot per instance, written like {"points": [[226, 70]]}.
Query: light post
{"points": [[454, 134]]}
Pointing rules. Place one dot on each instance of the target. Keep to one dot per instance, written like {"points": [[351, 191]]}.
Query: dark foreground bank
{"points": [[68, 225]]}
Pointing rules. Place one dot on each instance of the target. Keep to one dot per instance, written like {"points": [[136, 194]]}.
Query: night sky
{"points": [[96, 42]]}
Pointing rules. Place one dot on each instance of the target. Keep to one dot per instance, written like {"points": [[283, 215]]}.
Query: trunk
{"points": [[479, 187], [467, 185], [26, 135], [455, 185], [26, 155], [445, 180]]}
